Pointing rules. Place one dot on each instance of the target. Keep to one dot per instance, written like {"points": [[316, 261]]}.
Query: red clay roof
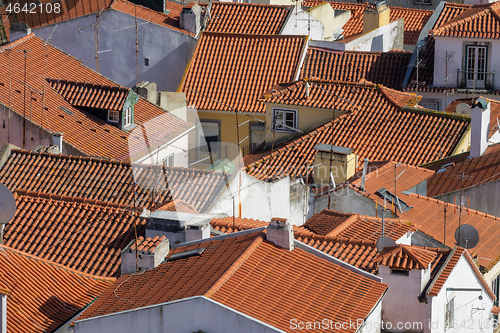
{"points": [[231, 224], [71, 9], [244, 273], [43, 295], [237, 69], [147, 245], [247, 18], [379, 128], [406, 257], [414, 19], [90, 95], [326, 221], [477, 21], [108, 181], [179, 206], [449, 12], [83, 234], [82, 129], [353, 66]]}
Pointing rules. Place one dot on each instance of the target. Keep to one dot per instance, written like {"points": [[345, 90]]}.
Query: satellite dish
{"points": [[463, 108], [467, 236], [384, 242], [7, 205]]}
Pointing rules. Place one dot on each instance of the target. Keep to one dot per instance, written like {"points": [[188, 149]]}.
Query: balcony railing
{"points": [[475, 80]]}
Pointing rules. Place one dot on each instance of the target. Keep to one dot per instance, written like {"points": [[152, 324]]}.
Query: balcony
{"points": [[477, 81]]}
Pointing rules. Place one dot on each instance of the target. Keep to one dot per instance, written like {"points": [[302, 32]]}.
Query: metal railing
{"points": [[475, 80]]}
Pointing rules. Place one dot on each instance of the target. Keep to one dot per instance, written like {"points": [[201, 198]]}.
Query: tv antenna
{"points": [[448, 56], [95, 25], [396, 177], [7, 208], [384, 241], [31, 105], [467, 236]]}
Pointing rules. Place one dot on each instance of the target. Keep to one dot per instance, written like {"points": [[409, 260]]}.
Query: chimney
{"points": [[480, 124], [150, 253], [18, 30], [375, 17], [57, 140], [339, 162], [365, 170], [197, 228], [3, 310], [280, 232], [147, 90], [190, 18], [307, 89]]}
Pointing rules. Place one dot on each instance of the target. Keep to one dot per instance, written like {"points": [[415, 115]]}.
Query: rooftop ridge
{"points": [[84, 83], [52, 263], [478, 274], [462, 117], [66, 198], [390, 165], [335, 239], [250, 4], [234, 266], [21, 40], [238, 35]]}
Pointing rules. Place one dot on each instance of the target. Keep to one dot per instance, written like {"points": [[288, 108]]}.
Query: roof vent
{"points": [[185, 254], [66, 110]]}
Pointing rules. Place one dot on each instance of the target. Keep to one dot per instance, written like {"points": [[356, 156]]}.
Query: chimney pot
{"points": [[280, 232], [480, 124]]}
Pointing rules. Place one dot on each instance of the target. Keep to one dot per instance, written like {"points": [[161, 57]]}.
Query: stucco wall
{"points": [[189, 315], [301, 23], [466, 302], [483, 197], [383, 39], [168, 50]]}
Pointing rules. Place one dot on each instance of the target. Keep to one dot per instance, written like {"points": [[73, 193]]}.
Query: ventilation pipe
{"points": [[365, 170]]}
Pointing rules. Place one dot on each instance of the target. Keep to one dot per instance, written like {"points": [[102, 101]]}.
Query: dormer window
{"points": [[284, 120], [127, 118], [113, 116]]}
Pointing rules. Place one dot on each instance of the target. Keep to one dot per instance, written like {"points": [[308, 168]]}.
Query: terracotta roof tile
{"points": [[353, 66], [449, 12], [82, 129], [414, 19], [146, 245], [244, 274], [326, 221], [227, 226], [109, 181], [477, 21], [247, 18], [375, 119], [179, 206], [41, 294], [61, 228], [237, 69], [406, 257]]}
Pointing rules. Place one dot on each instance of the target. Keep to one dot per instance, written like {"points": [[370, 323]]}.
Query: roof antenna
{"points": [[95, 25], [384, 241]]}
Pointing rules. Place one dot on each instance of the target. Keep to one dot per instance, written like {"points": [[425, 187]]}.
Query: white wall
{"points": [[455, 46], [383, 39], [188, 315], [168, 50], [301, 23], [462, 276]]}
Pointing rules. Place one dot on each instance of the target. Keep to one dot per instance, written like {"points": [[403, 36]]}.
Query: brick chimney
{"points": [[57, 140], [150, 253], [375, 17], [480, 124], [280, 232], [190, 18]]}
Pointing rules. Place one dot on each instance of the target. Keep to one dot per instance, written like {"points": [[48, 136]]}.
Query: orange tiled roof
{"points": [[82, 129], [74, 9], [179, 206], [477, 21], [83, 234], [326, 221], [90, 95], [237, 69], [147, 244], [406, 257], [247, 18], [43, 295], [244, 274], [109, 181], [353, 66], [449, 12], [414, 19], [427, 215], [231, 224], [379, 128]]}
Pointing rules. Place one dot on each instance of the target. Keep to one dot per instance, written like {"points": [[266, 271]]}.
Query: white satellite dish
{"points": [[463, 108], [7, 205]]}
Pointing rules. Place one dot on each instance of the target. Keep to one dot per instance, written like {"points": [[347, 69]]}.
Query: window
{"points": [[284, 120], [399, 272], [431, 105], [209, 136], [449, 314], [257, 134], [113, 116], [146, 62], [496, 287], [475, 66], [127, 119], [423, 2], [169, 160]]}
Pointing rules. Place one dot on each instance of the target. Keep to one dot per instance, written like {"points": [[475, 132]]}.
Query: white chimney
{"points": [[197, 228], [3, 311], [480, 126], [190, 18], [57, 140], [150, 253], [280, 232], [365, 170]]}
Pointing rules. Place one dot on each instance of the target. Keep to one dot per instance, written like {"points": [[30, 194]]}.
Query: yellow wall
{"points": [[308, 119], [228, 134], [342, 167], [464, 144], [375, 18], [325, 13]]}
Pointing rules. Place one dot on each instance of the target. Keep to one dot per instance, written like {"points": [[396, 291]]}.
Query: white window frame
{"points": [[127, 116], [286, 111], [449, 313], [169, 160], [113, 116], [430, 102]]}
